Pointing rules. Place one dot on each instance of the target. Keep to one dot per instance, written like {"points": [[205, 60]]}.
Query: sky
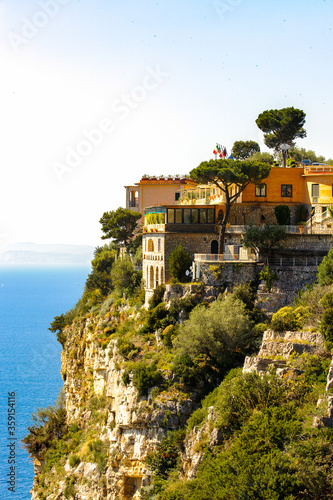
{"points": [[94, 94]]}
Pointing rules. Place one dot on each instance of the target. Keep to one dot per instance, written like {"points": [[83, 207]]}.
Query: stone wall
{"points": [[244, 214], [226, 274]]}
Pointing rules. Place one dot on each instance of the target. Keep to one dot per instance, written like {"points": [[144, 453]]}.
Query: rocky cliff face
{"points": [[114, 429], [108, 410]]}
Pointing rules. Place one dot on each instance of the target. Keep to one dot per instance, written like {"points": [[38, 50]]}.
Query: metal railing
{"points": [[223, 257], [293, 261], [236, 229]]}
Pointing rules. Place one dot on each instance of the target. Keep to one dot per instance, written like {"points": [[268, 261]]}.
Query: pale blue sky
{"points": [[163, 81]]}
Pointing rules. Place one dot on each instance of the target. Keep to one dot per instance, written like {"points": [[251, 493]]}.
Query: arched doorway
{"points": [[214, 247]]}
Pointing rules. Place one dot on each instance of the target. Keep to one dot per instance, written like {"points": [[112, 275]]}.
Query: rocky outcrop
{"points": [[276, 348], [129, 425], [198, 292], [325, 403]]}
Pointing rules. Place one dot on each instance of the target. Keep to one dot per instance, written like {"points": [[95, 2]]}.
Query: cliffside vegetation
{"points": [[253, 435]]}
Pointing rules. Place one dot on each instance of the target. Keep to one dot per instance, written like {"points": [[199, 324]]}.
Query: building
{"points": [[152, 190], [192, 218]]}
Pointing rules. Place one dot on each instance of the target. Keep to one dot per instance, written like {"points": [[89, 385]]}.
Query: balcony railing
{"points": [[317, 169], [154, 228], [293, 261], [223, 257]]}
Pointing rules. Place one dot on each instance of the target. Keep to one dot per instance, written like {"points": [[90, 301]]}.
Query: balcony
{"points": [[232, 253], [318, 169], [154, 228]]}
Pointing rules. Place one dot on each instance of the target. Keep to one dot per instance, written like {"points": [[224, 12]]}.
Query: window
{"points": [[191, 215], [315, 190], [286, 190], [203, 216], [171, 216], [195, 216], [261, 190], [177, 196], [210, 215], [179, 216], [187, 216]]}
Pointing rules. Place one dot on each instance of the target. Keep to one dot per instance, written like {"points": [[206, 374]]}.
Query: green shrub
{"points": [[179, 262], [124, 277], [48, 424], [197, 417], [326, 324], [154, 318], [268, 276], [126, 348], [145, 377], [166, 455], [289, 318], [69, 491], [214, 333], [126, 377], [99, 453], [184, 367], [325, 270], [282, 214], [97, 402], [157, 296], [74, 460], [169, 334]]}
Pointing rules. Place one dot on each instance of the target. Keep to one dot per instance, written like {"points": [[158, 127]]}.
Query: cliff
{"points": [[116, 428], [125, 405]]}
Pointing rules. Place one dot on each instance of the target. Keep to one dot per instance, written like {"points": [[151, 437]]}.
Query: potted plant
{"points": [[301, 227]]}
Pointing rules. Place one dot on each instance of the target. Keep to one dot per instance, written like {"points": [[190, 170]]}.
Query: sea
{"points": [[30, 378]]}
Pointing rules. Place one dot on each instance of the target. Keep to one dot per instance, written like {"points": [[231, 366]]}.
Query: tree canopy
{"points": [[241, 150], [179, 262], [262, 239], [281, 126], [325, 270], [263, 157], [227, 175], [299, 154], [120, 225]]}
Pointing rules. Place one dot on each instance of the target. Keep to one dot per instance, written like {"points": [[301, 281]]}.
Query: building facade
{"points": [[193, 217], [153, 190]]}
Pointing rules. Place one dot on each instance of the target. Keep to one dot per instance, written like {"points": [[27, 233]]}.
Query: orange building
{"points": [[153, 191]]}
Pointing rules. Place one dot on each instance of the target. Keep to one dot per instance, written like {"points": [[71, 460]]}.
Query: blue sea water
{"points": [[30, 356]]}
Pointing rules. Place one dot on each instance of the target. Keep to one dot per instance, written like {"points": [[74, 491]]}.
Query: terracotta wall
{"points": [[277, 177]]}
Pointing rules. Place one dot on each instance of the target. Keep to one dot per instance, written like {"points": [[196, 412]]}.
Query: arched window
{"points": [[214, 247], [162, 275], [159, 244], [151, 278], [150, 245], [156, 277]]}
